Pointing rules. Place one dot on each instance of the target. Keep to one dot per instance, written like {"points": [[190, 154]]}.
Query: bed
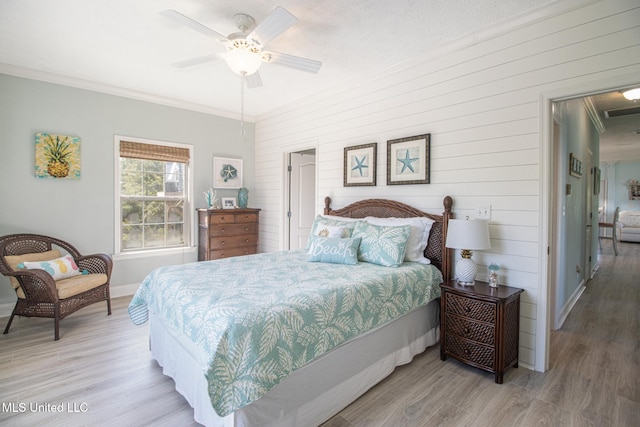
{"points": [[274, 339]]}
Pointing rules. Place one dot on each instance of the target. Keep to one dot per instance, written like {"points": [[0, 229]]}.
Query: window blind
{"points": [[138, 150]]}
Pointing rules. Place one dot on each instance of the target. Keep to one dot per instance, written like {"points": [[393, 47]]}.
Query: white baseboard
{"points": [[595, 269], [568, 306], [116, 292]]}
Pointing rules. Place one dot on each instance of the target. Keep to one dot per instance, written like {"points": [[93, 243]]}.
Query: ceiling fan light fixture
{"points": [[632, 94], [242, 61]]}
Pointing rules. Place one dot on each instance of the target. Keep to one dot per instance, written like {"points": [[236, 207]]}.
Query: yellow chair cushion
{"points": [[77, 284], [66, 287]]}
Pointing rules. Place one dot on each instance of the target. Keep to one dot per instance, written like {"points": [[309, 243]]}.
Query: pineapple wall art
{"points": [[57, 156]]}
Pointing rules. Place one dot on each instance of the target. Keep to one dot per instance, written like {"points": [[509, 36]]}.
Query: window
{"points": [[153, 188]]}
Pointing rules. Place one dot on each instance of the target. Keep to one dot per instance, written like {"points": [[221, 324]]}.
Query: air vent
{"points": [[621, 112]]}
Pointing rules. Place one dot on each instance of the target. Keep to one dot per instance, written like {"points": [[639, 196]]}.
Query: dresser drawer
{"points": [[219, 230], [472, 309], [227, 253], [469, 329], [246, 217], [470, 352], [229, 218], [231, 242]]}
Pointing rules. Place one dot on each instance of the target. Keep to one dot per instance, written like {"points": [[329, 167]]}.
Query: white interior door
{"points": [[302, 198]]}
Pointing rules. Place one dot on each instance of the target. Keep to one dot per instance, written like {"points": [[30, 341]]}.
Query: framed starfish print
{"points": [[227, 173], [408, 160], [360, 165]]}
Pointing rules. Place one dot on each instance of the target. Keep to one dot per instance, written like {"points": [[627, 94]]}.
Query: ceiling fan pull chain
{"points": [[243, 74]]}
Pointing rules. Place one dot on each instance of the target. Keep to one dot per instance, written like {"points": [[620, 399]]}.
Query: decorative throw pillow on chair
{"points": [[59, 268]]}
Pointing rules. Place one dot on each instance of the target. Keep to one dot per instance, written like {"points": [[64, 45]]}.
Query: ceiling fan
{"points": [[245, 52]]}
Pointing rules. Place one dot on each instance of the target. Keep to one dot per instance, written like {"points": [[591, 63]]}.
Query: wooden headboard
{"points": [[436, 251]]}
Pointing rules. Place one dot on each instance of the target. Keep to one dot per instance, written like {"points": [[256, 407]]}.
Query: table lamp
{"points": [[467, 235]]}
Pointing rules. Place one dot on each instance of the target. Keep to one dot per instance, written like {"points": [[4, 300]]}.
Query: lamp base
{"points": [[466, 271]]}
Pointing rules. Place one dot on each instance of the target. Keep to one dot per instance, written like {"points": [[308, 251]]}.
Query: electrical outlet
{"points": [[483, 212]]}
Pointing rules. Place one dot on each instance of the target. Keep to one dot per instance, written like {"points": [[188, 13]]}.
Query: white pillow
{"points": [[330, 226], [418, 238], [59, 268]]}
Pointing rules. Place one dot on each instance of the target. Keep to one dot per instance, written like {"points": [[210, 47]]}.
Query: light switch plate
{"points": [[483, 212]]}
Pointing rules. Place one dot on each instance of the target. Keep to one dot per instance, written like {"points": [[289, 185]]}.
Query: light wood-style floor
{"points": [[100, 372]]}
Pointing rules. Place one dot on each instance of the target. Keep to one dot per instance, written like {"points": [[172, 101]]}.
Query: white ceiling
{"points": [[126, 46]]}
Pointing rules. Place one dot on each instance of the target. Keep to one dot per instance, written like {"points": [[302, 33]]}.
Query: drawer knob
{"points": [[246, 240], [222, 243], [222, 230], [246, 229]]}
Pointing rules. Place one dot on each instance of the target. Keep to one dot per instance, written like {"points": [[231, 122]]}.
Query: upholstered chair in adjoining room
{"points": [[51, 278]]}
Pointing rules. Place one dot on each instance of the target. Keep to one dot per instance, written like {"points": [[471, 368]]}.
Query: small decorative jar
{"points": [[493, 275], [243, 197]]}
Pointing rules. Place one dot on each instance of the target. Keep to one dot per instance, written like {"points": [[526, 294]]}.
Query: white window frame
{"points": [[188, 208]]}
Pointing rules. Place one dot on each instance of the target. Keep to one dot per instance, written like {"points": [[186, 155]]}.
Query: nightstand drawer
{"points": [[470, 308], [462, 327], [470, 352]]}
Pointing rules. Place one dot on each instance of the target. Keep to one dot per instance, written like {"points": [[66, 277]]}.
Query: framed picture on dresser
{"points": [[229, 203]]}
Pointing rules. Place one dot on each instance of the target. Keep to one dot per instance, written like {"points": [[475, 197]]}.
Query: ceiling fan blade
{"points": [[303, 64], [193, 24], [194, 61], [253, 80], [273, 25]]}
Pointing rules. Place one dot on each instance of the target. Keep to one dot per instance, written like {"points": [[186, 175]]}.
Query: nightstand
{"points": [[479, 325]]}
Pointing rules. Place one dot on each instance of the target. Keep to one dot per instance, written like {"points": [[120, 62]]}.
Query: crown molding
{"points": [[43, 76]]}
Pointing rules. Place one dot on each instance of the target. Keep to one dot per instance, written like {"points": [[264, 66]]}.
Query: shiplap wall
{"points": [[481, 101]]}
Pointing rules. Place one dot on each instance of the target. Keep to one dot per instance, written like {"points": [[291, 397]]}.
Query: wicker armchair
{"points": [[39, 295]]}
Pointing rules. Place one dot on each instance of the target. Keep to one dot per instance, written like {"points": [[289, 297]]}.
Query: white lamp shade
{"points": [[241, 61], [468, 234]]}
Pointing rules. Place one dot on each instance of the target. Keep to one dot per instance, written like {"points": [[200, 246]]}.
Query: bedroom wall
{"points": [[82, 211], [484, 101]]}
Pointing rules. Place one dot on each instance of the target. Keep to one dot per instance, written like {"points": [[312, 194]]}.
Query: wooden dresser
{"points": [[224, 233], [479, 325]]}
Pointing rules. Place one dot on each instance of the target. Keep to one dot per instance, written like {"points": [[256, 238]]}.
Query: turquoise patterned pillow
{"points": [[382, 245], [334, 250]]}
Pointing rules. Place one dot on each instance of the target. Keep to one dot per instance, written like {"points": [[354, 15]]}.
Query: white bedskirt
{"points": [[313, 393]]}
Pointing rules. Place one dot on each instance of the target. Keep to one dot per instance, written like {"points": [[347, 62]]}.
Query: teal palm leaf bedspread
{"points": [[260, 317]]}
